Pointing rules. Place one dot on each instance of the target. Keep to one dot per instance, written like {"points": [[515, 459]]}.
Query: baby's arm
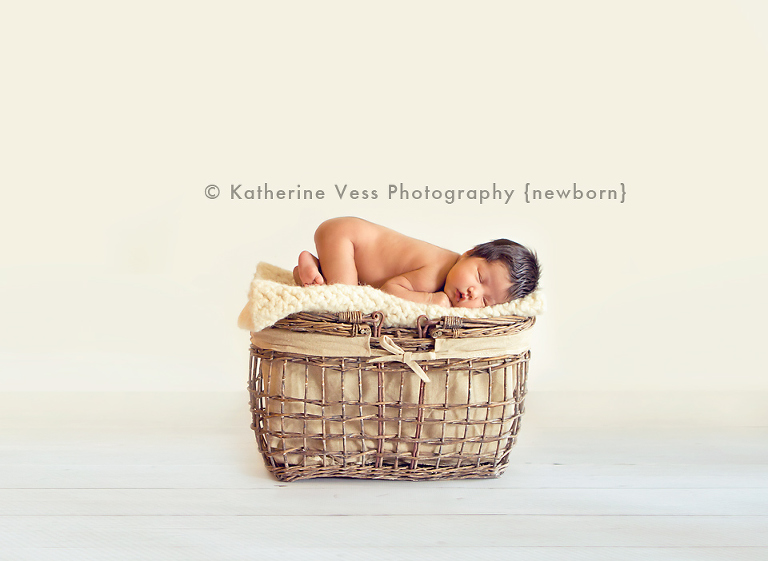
{"points": [[406, 286]]}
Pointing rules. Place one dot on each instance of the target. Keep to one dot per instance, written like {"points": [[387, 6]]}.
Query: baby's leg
{"points": [[308, 270], [336, 250]]}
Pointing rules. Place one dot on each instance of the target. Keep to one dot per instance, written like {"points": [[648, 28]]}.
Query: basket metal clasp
{"points": [[378, 321], [423, 323]]}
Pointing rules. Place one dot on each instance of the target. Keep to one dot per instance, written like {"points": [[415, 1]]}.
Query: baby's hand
{"points": [[441, 299]]}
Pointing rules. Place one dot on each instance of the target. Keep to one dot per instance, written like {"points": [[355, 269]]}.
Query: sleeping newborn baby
{"points": [[354, 251]]}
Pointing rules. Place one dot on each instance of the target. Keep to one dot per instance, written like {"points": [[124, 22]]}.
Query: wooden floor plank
{"points": [[226, 552], [401, 531], [397, 498]]}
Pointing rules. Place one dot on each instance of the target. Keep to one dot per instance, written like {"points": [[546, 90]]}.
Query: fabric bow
{"points": [[400, 355]]}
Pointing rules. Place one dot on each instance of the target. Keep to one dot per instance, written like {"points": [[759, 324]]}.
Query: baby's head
{"points": [[492, 273], [521, 263]]}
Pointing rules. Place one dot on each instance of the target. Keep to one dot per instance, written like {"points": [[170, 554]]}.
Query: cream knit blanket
{"points": [[274, 295]]}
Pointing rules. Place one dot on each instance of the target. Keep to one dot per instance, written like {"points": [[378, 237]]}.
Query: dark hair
{"points": [[521, 262]]}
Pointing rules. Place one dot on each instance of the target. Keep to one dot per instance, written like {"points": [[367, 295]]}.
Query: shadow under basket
{"points": [[337, 395]]}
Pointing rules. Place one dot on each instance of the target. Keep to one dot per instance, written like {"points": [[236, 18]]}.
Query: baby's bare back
{"points": [[381, 254]]}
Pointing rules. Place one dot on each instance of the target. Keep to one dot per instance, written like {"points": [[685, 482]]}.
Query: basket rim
{"points": [[357, 323]]}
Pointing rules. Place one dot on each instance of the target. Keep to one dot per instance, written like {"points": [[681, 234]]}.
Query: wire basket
{"points": [[338, 395]]}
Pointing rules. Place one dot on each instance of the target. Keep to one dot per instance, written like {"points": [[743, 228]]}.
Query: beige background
{"points": [[117, 274]]}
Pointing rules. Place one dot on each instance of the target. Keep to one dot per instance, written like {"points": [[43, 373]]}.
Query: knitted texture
{"points": [[274, 295]]}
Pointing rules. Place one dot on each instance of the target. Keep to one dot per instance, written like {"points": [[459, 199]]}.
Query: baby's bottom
{"points": [[335, 261]]}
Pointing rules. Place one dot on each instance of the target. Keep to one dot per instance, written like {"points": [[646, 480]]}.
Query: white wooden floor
{"points": [[125, 482]]}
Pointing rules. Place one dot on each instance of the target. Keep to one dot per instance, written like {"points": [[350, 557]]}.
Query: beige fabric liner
{"points": [[319, 344]]}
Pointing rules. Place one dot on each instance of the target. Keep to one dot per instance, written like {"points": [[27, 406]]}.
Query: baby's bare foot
{"points": [[309, 269]]}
